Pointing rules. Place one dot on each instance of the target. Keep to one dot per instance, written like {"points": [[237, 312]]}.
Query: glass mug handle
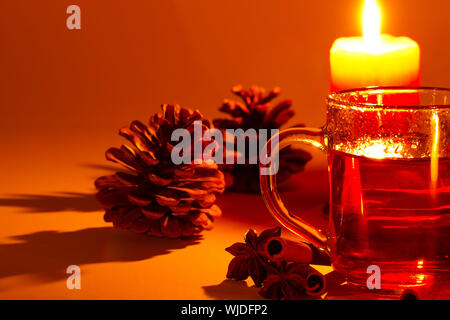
{"points": [[286, 138]]}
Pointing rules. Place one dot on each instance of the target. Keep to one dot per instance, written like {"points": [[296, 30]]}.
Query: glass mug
{"points": [[389, 175]]}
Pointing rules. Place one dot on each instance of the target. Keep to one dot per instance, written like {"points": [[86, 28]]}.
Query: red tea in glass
{"points": [[389, 173]]}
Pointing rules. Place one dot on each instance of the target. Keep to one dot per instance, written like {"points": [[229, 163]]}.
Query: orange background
{"points": [[131, 56], [64, 94]]}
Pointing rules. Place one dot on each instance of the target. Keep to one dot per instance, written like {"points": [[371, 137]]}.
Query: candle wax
{"points": [[392, 61]]}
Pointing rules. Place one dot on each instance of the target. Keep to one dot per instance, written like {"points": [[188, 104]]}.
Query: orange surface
{"points": [[49, 220], [64, 94]]}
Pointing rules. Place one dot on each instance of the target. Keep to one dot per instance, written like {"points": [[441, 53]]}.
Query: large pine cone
{"points": [[156, 196], [255, 112]]}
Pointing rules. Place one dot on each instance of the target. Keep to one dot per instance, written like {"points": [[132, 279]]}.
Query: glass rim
{"points": [[333, 98]]}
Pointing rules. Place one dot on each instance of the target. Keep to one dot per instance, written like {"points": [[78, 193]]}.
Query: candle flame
{"points": [[372, 22]]}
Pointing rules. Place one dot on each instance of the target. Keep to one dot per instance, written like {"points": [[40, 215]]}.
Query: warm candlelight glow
{"points": [[372, 23], [420, 264], [420, 278], [435, 152], [374, 59], [376, 149]]}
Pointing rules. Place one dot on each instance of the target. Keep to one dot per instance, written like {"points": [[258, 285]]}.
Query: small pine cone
{"points": [[255, 112], [155, 196]]}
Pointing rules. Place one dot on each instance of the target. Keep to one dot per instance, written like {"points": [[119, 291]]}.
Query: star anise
{"points": [[287, 281], [284, 279], [249, 258]]}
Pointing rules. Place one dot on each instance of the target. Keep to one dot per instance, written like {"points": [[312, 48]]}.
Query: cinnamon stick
{"points": [[315, 283], [281, 249]]}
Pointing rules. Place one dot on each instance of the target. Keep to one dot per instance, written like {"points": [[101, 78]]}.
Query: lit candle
{"points": [[375, 59]]}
